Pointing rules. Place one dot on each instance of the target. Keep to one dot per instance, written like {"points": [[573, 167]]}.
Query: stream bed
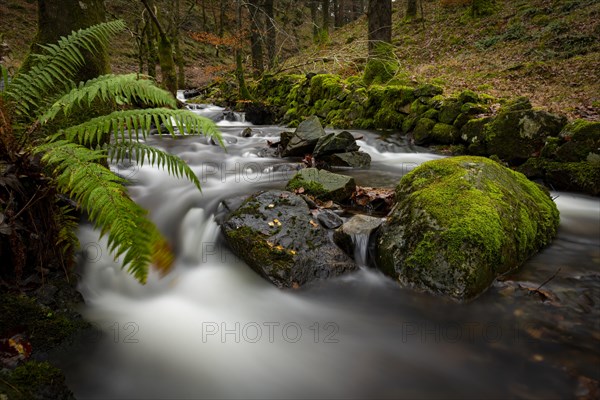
{"points": [[213, 328]]}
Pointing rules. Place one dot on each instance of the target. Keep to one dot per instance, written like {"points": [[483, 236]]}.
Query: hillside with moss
{"points": [[546, 50]]}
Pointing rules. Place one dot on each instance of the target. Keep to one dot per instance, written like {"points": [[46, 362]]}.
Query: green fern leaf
{"points": [[141, 153], [55, 69], [98, 129], [102, 194], [131, 88]]}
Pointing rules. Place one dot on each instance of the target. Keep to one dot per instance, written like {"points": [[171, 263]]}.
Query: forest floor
{"points": [[547, 50]]}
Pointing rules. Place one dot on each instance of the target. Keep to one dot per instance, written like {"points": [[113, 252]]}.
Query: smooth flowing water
{"points": [[214, 329]]}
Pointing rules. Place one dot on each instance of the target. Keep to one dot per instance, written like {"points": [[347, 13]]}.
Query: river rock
{"points": [[276, 234], [460, 222], [329, 219], [357, 228], [356, 159], [304, 138], [322, 184], [342, 142], [581, 138], [515, 136]]}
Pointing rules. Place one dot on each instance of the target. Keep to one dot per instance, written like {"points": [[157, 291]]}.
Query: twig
{"points": [[548, 280]]}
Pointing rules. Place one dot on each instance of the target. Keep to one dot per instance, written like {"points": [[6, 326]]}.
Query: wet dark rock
{"points": [[247, 132], [191, 93], [356, 159], [329, 219], [331, 143], [348, 235], [276, 234], [304, 139]]}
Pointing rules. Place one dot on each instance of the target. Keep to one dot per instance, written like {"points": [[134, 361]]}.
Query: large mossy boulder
{"points": [[322, 184], [304, 139], [460, 222], [583, 176], [275, 233], [519, 132], [582, 138]]}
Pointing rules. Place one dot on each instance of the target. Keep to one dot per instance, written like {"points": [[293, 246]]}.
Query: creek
{"points": [[213, 328]]}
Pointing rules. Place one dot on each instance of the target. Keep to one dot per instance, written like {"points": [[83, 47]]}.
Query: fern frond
{"points": [[102, 194], [141, 153], [66, 240], [130, 124], [131, 88], [55, 69]]}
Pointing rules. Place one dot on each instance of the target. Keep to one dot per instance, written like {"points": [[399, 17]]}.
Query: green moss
{"points": [[444, 133], [449, 110], [34, 380], [418, 107], [324, 86], [409, 124], [382, 67], [388, 118], [45, 329], [310, 187], [468, 96], [431, 114], [422, 131]]}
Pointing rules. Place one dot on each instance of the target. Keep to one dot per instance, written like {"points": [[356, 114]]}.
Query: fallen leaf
{"points": [[313, 223]]}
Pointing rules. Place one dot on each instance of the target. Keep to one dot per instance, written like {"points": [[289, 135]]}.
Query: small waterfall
{"points": [[360, 241]]}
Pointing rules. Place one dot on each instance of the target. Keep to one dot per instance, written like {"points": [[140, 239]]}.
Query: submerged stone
{"points": [[460, 222]]}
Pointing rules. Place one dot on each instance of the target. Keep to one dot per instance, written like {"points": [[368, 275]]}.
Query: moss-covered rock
{"points": [[449, 110], [422, 133], [275, 233], [419, 107], [444, 134], [34, 380], [323, 184], [460, 222], [582, 138], [468, 96], [428, 90], [517, 135], [324, 86], [432, 114], [581, 176]]}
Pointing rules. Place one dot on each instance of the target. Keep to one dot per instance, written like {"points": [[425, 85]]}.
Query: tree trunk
{"points": [[177, 45], [244, 94], [411, 9], [60, 18], [358, 9], [380, 23], [313, 15], [256, 49], [152, 55], [271, 34], [326, 18], [165, 53]]}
